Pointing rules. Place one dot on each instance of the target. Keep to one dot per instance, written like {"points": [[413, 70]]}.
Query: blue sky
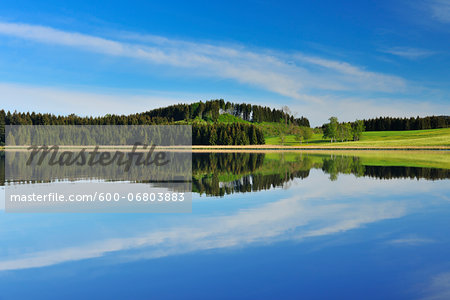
{"points": [[351, 59]]}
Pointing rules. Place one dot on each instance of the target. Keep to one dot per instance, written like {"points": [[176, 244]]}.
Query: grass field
{"points": [[374, 139], [412, 138]]}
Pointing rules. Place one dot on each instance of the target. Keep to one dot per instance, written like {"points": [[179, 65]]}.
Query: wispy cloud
{"points": [[411, 241], [67, 101], [349, 74], [440, 10], [271, 222], [439, 287], [293, 75], [320, 86], [409, 53]]}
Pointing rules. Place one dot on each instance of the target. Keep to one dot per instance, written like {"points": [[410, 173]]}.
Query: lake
{"points": [[294, 225]]}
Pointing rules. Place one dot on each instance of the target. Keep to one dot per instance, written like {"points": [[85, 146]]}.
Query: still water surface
{"points": [[262, 226]]}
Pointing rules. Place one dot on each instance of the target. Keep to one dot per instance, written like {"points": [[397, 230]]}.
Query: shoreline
{"points": [[315, 147], [248, 148]]}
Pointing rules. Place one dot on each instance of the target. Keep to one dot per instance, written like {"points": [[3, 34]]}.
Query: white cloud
{"points": [[318, 84], [266, 223], [291, 75], [352, 108], [409, 53], [440, 10], [347, 74], [311, 211], [65, 101], [410, 241], [439, 287]]}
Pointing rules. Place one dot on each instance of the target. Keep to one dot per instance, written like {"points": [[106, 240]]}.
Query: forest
{"points": [[211, 110], [203, 116], [213, 124], [400, 124]]}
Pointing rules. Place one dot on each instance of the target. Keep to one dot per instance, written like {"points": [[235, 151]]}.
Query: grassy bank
{"points": [[377, 139]]}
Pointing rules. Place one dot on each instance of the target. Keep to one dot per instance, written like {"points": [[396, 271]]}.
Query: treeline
{"points": [[336, 165], [391, 172], [208, 111], [19, 118], [211, 110], [226, 134], [83, 135], [398, 124], [203, 134]]}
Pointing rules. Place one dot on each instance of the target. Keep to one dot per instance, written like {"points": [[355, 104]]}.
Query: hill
{"points": [[217, 122], [214, 122]]}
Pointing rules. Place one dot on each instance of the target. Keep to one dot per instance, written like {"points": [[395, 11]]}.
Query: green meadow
{"points": [[410, 138]]}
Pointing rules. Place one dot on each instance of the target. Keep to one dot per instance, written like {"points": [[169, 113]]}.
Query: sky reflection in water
{"points": [[354, 237]]}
